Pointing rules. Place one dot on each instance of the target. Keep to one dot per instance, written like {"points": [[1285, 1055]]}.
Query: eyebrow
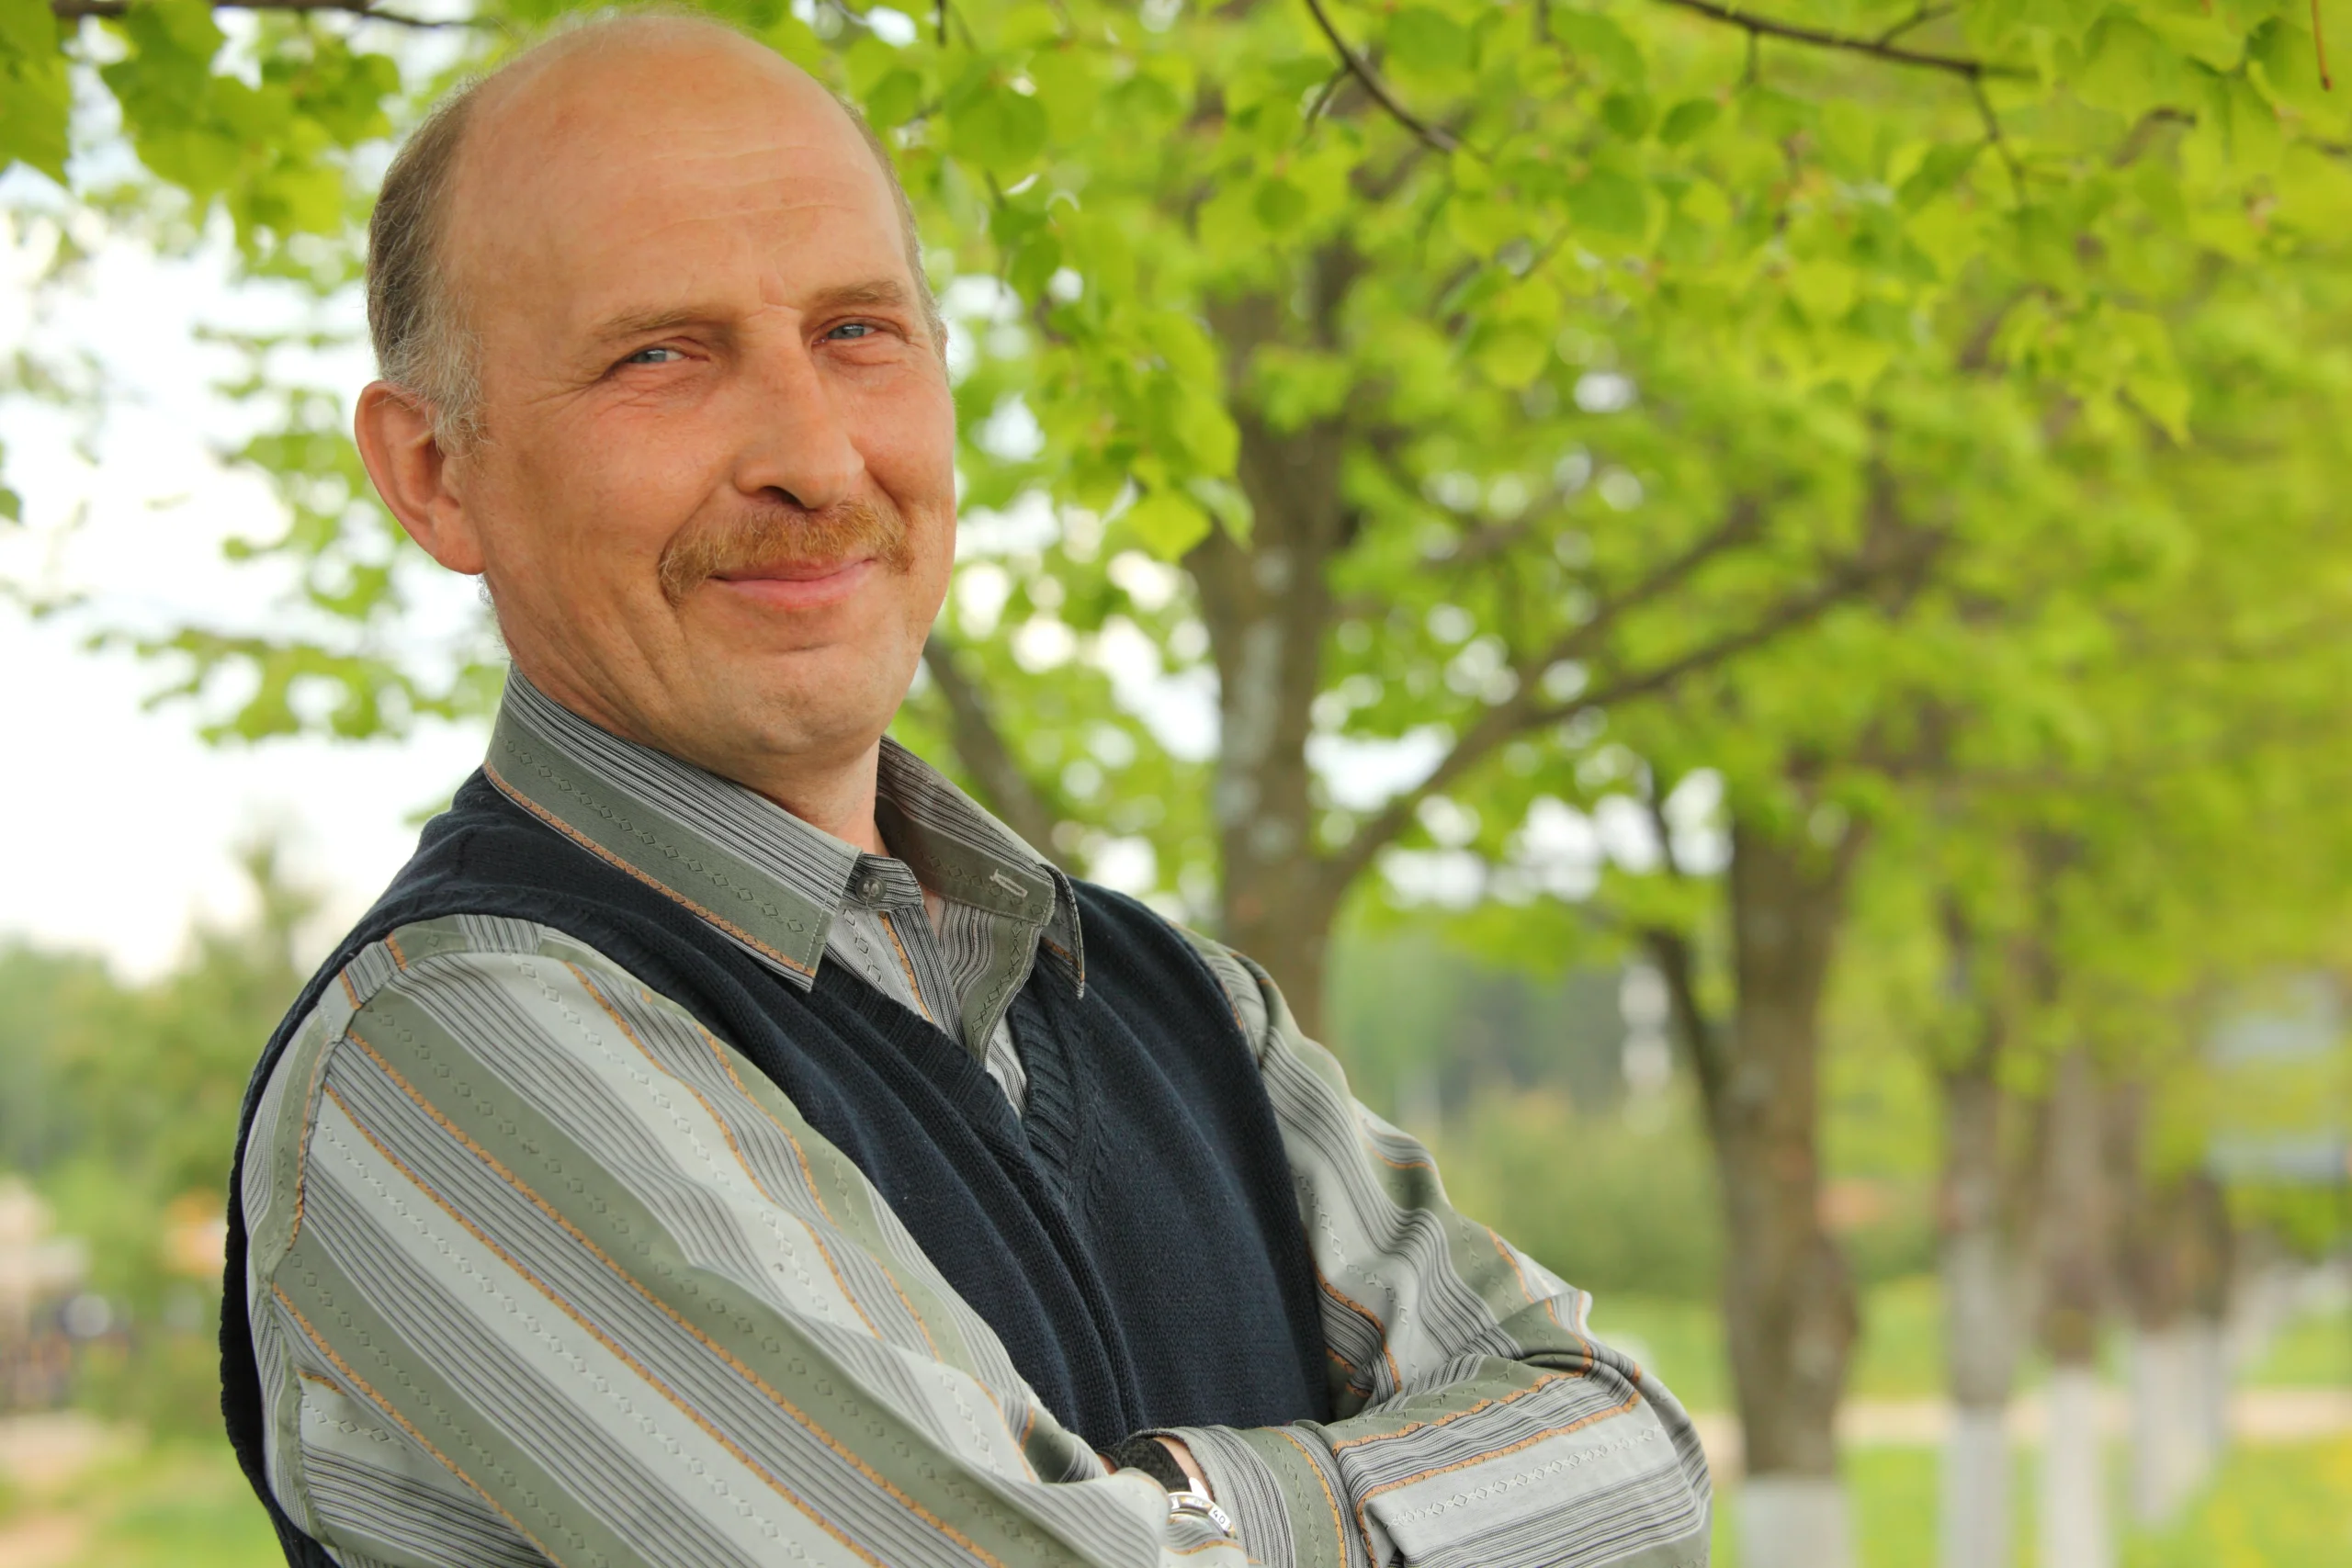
{"points": [[881, 292]]}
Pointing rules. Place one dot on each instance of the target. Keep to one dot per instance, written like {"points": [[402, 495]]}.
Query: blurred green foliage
{"points": [[1608, 1203], [1429, 1021], [40, 991], [130, 1110], [2313, 1352]]}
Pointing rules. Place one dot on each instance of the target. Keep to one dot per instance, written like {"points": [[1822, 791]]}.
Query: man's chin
{"points": [[784, 699]]}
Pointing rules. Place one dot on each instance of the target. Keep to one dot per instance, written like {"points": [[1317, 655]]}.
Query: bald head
{"points": [[500, 152]]}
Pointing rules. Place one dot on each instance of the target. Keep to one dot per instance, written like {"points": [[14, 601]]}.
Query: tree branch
{"points": [[971, 726], [2143, 131], [1741, 523], [1976, 353], [1844, 583], [1918, 18], [1360, 69], [1654, 802], [1502, 722], [1323, 100], [1877, 49], [73, 9], [2001, 142]]}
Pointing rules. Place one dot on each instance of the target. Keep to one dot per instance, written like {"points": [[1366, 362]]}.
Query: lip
{"points": [[798, 585]]}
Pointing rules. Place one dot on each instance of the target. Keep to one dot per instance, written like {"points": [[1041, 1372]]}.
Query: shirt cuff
{"points": [[1283, 1494]]}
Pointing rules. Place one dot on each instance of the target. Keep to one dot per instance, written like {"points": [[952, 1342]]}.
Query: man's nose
{"points": [[795, 445]]}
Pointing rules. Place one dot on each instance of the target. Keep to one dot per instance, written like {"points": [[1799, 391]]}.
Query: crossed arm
{"points": [[542, 1271]]}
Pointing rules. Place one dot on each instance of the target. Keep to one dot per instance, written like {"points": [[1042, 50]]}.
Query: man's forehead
{"points": [[612, 73], [635, 142]]}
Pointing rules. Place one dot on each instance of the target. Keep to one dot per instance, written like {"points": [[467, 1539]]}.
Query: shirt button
{"points": [[869, 886]]}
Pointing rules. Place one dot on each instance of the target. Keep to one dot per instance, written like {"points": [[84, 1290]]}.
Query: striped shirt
{"points": [[711, 1342]]}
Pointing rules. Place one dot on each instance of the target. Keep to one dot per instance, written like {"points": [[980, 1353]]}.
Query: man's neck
{"points": [[832, 794], [845, 809]]}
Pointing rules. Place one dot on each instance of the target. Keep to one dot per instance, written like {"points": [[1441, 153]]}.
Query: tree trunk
{"points": [[2175, 1270], [2073, 1475], [2075, 1270], [1984, 1309], [2210, 1305], [1268, 607], [1789, 1301]]}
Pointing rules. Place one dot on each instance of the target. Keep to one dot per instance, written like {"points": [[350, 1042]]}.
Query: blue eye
{"points": [[861, 328], [645, 357]]}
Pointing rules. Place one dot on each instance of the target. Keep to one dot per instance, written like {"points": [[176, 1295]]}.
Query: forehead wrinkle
{"points": [[761, 226], [659, 192]]}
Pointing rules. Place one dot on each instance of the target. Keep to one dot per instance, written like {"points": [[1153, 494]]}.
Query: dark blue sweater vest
{"points": [[1132, 1239]]}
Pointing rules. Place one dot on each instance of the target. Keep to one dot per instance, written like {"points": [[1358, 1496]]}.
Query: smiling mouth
{"points": [[797, 585], [794, 571]]}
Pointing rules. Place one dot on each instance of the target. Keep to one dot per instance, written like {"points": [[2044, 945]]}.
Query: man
{"points": [[725, 1143]]}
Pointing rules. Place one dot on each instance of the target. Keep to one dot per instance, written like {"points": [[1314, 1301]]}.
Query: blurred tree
{"points": [[118, 1102], [1548, 405], [38, 991], [154, 1075]]}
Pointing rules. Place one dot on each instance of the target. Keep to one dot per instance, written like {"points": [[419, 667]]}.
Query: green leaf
{"points": [[1608, 203], [1422, 39], [2127, 68], [1033, 264], [1686, 119], [1483, 223], [1226, 502], [2283, 59], [34, 87], [1823, 288], [998, 129], [1944, 166], [1167, 522], [1292, 386], [1627, 114], [894, 100], [1767, 111], [2255, 138], [1601, 46], [1279, 204], [1511, 354], [1017, 28], [1195, 424], [2164, 399], [1703, 202], [187, 24]]}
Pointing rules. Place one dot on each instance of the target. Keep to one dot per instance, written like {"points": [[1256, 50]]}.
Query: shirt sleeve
{"points": [[1478, 1423], [540, 1271]]}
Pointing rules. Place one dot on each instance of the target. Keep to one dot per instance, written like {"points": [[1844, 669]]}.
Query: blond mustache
{"points": [[850, 531]]}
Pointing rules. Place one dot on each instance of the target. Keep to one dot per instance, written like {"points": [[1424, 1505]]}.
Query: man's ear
{"points": [[394, 432]]}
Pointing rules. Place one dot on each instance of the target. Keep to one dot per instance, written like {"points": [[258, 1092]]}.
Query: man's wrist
{"points": [[1195, 1478], [1165, 1459]]}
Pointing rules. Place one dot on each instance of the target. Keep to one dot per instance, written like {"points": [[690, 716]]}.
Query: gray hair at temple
{"points": [[424, 343]]}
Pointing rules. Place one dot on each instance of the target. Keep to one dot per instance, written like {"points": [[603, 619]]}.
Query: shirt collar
{"points": [[746, 865]]}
